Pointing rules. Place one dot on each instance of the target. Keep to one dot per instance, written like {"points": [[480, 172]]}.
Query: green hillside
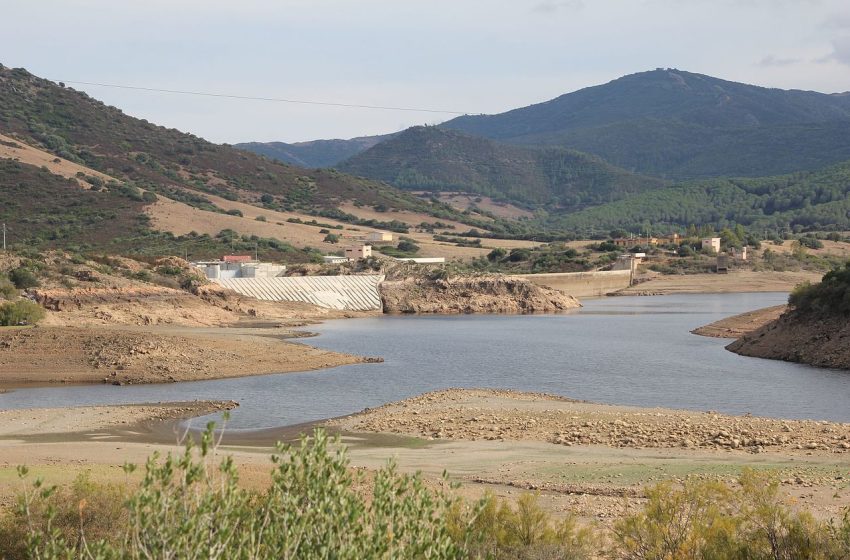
{"points": [[43, 209], [682, 125], [433, 159], [804, 201], [72, 125]]}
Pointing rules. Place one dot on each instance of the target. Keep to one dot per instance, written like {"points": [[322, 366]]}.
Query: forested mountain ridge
{"points": [[683, 125], [433, 159]]}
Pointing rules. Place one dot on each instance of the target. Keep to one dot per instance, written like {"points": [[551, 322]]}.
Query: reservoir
{"points": [[623, 350]]}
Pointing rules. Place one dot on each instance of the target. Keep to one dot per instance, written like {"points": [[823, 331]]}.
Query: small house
{"points": [[379, 237], [358, 252], [712, 244]]}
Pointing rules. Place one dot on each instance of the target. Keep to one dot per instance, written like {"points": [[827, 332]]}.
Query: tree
{"points": [[331, 238]]}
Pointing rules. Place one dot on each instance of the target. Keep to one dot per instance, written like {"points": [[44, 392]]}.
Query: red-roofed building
{"points": [[237, 258]]}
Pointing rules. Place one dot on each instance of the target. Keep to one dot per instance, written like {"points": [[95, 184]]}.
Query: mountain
{"points": [[313, 154], [434, 159], [682, 125], [120, 166]]}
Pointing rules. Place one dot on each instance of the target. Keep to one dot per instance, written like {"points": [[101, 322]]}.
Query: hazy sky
{"points": [[477, 56]]}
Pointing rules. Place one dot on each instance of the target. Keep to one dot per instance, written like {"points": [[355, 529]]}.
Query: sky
{"points": [[467, 56]]}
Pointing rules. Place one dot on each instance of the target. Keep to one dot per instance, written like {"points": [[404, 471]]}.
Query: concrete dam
{"points": [[348, 293]]}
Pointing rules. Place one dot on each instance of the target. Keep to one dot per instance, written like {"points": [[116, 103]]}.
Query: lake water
{"points": [[625, 350]]}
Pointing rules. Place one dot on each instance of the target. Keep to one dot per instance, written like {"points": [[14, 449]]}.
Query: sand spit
{"points": [[46, 355], [739, 325]]}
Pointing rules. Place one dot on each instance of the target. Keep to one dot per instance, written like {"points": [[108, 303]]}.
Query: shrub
{"points": [[830, 296], [23, 278], [331, 238], [7, 289], [408, 246], [21, 312], [260, 218], [234, 212], [188, 507], [711, 520]]}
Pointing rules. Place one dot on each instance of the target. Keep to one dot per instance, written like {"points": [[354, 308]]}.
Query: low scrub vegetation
{"points": [[830, 296], [20, 312], [191, 505]]}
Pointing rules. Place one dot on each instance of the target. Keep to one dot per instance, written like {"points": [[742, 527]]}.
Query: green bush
{"points": [[21, 312], [234, 212], [7, 289], [331, 238], [189, 507], [830, 296], [23, 278], [712, 520]]}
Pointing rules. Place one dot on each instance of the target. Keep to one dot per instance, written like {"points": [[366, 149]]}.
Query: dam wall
{"points": [[583, 284], [348, 293]]}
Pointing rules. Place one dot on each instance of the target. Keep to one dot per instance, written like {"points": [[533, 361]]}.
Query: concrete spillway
{"points": [[352, 293]]}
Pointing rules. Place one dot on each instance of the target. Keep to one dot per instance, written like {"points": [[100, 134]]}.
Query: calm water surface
{"points": [[626, 350]]}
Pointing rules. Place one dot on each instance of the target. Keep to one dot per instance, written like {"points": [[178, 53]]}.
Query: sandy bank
{"points": [[744, 281], [45, 355], [739, 325]]}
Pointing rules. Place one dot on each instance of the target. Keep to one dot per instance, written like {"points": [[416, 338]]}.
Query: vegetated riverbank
{"points": [[471, 294], [815, 330], [818, 340]]}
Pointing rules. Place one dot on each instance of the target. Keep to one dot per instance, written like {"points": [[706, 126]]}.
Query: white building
{"points": [[334, 259], [712, 244], [234, 266], [358, 252], [379, 237]]}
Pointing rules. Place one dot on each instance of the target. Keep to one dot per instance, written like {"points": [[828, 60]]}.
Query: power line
{"points": [[271, 99]]}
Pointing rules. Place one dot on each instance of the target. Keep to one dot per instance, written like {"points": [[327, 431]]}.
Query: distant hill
{"points": [[313, 154], [682, 125], [430, 158]]}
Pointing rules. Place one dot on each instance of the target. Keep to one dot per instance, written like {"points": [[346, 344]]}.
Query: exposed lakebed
{"points": [[627, 350]]}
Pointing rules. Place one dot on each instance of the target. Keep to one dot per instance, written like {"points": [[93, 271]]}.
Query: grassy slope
{"points": [[429, 158]]}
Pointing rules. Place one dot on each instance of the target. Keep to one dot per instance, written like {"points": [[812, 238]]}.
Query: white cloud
{"points": [[552, 6], [773, 60]]}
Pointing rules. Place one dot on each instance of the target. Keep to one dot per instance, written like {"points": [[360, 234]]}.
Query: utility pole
{"points": [[4, 236]]}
